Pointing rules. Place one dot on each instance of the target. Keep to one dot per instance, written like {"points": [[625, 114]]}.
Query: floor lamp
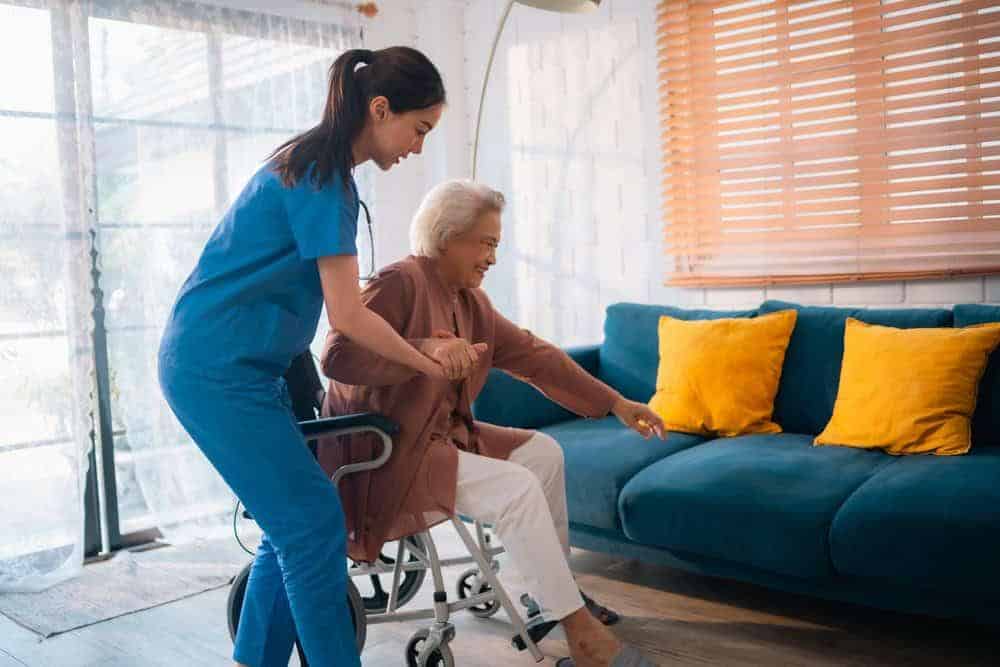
{"points": [[565, 6]]}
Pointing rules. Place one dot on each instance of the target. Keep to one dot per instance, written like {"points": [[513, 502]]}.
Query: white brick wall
{"points": [[934, 292], [436, 27], [993, 289], [570, 136], [734, 297], [563, 134], [869, 294]]}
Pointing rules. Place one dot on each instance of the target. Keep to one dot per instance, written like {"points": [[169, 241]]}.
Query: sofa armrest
{"points": [[506, 401]]}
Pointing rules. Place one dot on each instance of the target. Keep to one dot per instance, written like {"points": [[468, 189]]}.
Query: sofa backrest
{"points": [[811, 373], [630, 352], [810, 377], [986, 420]]}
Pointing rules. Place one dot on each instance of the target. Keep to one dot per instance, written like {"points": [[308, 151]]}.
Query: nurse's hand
{"points": [[433, 369], [456, 355]]}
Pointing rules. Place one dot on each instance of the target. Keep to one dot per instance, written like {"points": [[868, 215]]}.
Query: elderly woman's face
{"points": [[466, 258]]}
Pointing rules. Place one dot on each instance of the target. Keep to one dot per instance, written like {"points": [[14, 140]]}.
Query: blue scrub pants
{"points": [[299, 578]]}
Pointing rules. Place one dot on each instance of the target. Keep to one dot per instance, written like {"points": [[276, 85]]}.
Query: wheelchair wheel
{"points": [[470, 579], [440, 657], [374, 593], [238, 590]]}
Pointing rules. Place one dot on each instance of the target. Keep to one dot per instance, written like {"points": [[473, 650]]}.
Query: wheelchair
{"points": [[478, 588]]}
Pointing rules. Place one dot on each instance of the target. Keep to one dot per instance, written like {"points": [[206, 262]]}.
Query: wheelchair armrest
{"points": [[315, 428]]}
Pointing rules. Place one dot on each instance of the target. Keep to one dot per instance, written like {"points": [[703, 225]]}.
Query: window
{"points": [[127, 129], [829, 140]]}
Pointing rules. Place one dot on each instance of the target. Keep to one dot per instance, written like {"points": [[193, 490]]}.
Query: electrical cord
{"points": [[371, 241], [236, 534]]}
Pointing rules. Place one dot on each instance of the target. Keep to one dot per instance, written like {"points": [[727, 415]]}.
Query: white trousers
{"points": [[524, 499]]}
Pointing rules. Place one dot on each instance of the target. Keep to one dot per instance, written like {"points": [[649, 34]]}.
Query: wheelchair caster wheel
{"points": [[441, 656], [470, 584]]}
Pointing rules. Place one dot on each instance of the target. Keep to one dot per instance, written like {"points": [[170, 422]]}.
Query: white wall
{"points": [[435, 27], [569, 135], [565, 133]]}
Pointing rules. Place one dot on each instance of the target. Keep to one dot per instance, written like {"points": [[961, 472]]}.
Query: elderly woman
{"points": [[444, 461]]}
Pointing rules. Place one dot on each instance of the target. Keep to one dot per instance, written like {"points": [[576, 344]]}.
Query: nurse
{"points": [[284, 249]]}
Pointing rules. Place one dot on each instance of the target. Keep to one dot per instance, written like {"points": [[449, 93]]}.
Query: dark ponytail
{"points": [[403, 75]]}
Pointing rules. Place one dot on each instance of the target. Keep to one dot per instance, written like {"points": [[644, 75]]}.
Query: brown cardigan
{"points": [[416, 487]]}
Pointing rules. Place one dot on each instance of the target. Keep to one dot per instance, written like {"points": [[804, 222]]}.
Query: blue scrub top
{"points": [[254, 299]]}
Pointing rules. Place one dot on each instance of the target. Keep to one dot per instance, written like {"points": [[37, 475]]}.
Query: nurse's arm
{"points": [[390, 295], [348, 314]]}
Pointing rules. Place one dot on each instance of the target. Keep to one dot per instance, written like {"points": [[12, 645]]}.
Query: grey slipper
{"points": [[629, 656]]}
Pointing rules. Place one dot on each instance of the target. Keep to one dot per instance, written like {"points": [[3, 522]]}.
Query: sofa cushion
{"points": [[986, 419], [601, 457], [811, 373], [909, 391], [760, 500], [630, 352], [927, 521], [719, 377]]}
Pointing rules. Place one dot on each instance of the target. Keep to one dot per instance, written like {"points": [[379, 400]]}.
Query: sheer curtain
{"points": [[46, 359], [128, 130]]}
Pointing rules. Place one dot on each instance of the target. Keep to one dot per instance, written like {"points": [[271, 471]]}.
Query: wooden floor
{"points": [[680, 619]]}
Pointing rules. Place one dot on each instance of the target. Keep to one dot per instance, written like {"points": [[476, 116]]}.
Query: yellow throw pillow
{"points": [[719, 377], [909, 391]]}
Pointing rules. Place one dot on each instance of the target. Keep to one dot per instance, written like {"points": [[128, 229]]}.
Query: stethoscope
{"points": [[371, 241]]}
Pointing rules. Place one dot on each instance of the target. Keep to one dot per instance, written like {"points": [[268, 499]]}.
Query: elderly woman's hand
{"points": [[456, 355], [639, 418]]}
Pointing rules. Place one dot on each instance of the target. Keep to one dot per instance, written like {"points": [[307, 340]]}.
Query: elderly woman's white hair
{"points": [[447, 210]]}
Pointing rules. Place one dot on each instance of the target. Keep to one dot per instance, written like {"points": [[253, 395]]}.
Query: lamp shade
{"points": [[574, 6]]}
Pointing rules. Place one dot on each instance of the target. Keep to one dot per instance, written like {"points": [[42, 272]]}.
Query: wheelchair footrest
{"points": [[530, 605], [537, 631]]}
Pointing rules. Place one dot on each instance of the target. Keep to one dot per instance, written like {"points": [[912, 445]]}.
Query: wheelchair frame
{"points": [[307, 397], [442, 631]]}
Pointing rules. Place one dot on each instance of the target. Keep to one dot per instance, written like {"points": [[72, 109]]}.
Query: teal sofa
{"points": [[915, 533]]}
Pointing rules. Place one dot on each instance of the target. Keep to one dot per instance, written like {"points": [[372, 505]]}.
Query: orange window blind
{"points": [[829, 141]]}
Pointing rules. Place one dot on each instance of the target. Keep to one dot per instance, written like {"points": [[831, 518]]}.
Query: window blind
{"points": [[829, 141]]}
